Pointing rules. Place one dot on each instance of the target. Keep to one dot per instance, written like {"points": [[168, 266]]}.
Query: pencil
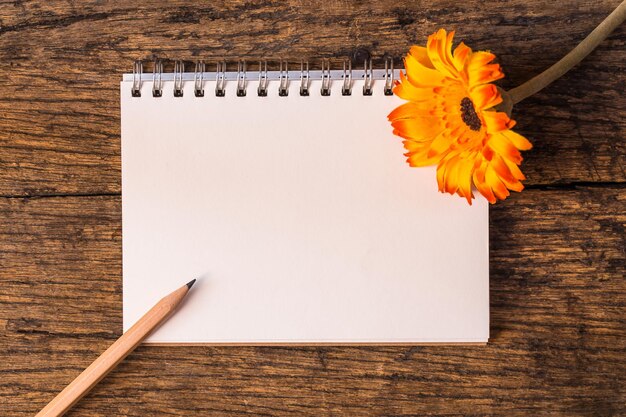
{"points": [[115, 353]]}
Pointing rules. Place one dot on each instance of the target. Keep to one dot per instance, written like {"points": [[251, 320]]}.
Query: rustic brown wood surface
{"points": [[558, 288]]}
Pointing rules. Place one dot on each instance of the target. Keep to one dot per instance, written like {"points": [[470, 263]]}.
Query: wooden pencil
{"points": [[115, 353]]}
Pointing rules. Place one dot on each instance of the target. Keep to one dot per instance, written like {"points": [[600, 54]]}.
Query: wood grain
{"points": [[61, 64], [557, 320], [114, 354], [558, 287]]}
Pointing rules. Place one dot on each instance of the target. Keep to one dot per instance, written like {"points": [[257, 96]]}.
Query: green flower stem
{"points": [[570, 60]]}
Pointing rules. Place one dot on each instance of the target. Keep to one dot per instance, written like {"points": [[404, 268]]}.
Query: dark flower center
{"points": [[468, 114]]}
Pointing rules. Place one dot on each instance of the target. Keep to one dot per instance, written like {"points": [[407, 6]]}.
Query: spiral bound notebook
{"points": [[287, 194]]}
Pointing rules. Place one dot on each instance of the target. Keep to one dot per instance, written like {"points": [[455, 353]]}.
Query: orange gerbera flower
{"points": [[450, 120]]}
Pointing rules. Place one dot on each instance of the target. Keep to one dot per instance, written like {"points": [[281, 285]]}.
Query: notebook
{"points": [[287, 195]]}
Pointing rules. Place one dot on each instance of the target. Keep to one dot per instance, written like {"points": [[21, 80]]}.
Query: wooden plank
{"points": [[60, 66], [557, 319]]}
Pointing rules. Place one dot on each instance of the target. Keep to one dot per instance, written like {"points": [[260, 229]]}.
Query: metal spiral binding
{"points": [[282, 76], [220, 79], [305, 78], [241, 79], [198, 79], [157, 79], [137, 72], [388, 91], [367, 86], [346, 89], [325, 89], [263, 81], [283, 89], [179, 69]]}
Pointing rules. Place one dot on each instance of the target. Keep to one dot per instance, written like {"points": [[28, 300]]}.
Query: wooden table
{"points": [[558, 290]]}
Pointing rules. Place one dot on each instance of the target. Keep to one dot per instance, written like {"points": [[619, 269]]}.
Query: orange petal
{"points": [[404, 89], [452, 177], [481, 184], [409, 110], [413, 146], [449, 180], [515, 171], [417, 128], [479, 59], [421, 159], [460, 55], [465, 179], [447, 51], [499, 189], [420, 74], [514, 186], [440, 145], [502, 146], [519, 141], [441, 174], [485, 96], [437, 52], [497, 121], [505, 175], [480, 72], [421, 55], [503, 171]]}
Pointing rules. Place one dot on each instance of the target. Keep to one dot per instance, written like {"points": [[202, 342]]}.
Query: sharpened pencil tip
{"points": [[190, 283]]}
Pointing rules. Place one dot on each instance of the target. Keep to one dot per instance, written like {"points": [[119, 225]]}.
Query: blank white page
{"points": [[301, 219]]}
